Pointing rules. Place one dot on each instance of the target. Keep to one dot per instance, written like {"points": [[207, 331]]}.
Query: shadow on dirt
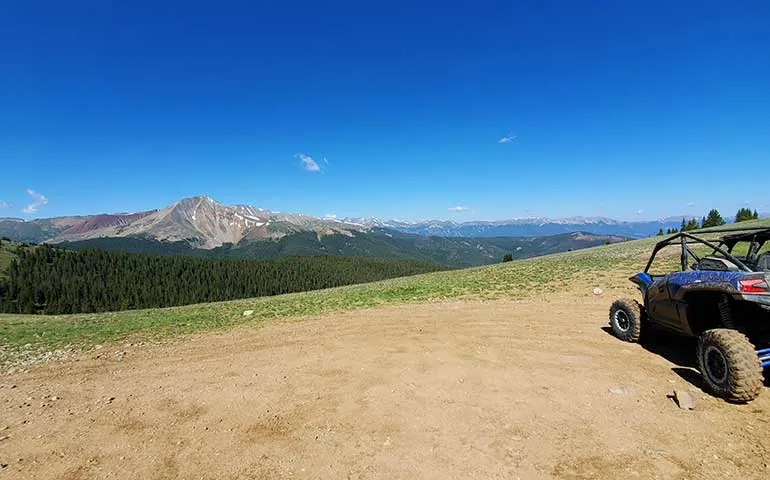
{"points": [[693, 376], [679, 350], [676, 349], [690, 375]]}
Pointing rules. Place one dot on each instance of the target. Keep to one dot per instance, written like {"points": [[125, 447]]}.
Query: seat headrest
{"points": [[763, 262]]}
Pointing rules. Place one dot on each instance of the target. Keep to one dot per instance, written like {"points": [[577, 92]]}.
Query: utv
{"points": [[721, 296]]}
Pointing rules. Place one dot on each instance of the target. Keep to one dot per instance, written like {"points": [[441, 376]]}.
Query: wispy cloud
{"points": [[459, 208], [508, 139], [308, 163], [3, 204], [747, 202], [38, 201], [690, 204], [639, 212]]}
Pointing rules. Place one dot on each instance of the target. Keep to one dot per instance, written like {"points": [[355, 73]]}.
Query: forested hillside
{"points": [[52, 280], [381, 243]]}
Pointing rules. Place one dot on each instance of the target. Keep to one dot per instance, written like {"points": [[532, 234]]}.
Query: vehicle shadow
{"points": [[674, 348], [677, 349]]}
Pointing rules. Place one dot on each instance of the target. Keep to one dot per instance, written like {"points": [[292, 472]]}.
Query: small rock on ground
{"points": [[620, 390], [684, 399]]}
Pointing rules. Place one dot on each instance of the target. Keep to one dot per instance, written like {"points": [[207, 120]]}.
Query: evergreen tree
{"points": [[743, 214], [713, 219], [507, 257], [755, 216], [660, 232], [692, 224], [52, 280]]}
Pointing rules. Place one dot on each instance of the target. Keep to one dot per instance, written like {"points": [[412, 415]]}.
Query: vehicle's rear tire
{"points": [[626, 319], [729, 365]]}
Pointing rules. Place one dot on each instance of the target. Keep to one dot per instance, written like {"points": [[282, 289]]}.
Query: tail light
{"points": [[754, 285]]}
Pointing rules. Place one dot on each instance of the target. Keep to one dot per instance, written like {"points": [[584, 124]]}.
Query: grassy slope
{"points": [[6, 255], [6, 258], [606, 266]]}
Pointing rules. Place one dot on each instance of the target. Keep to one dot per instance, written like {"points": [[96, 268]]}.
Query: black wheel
{"points": [[626, 319], [729, 364]]}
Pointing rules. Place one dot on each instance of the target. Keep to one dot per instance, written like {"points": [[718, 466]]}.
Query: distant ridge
{"points": [[206, 223], [524, 227], [200, 221]]}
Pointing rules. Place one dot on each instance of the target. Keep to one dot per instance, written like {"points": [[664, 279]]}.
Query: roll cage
{"points": [[757, 236]]}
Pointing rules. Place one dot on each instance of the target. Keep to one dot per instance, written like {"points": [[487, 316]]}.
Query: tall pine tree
{"points": [[713, 219], [743, 215]]}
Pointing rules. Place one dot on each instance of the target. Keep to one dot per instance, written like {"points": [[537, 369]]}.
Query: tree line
{"points": [[51, 280], [713, 219]]}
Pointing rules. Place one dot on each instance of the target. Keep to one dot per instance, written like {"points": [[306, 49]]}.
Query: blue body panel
{"points": [[643, 280], [665, 295], [702, 279]]}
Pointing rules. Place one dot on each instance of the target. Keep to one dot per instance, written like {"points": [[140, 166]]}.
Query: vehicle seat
{"points": [[752, 255], [717, 264], [763, 262]]}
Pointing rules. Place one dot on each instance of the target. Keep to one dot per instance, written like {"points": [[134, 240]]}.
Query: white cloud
{"points": [[308, 163], [330, 216], [508, 139], [38, 201], [639, 212], [690, 204], [458, 208], [747, 202], [3, 204]]}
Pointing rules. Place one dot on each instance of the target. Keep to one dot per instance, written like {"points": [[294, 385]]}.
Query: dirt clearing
{"points": [[533, 389]]}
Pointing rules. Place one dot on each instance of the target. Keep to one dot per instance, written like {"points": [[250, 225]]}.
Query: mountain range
{"points": [[532, 226], [200, 221], [206, 223], [202, 226]]}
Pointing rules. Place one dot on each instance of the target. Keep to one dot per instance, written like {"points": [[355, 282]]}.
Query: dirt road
{"points": [[451, 390]]}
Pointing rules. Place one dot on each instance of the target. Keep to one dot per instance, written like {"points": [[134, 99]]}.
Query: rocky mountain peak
{"points": [[202, 222]]}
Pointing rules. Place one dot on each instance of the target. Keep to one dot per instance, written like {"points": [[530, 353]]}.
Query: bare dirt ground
{"points": [[447, 390]]}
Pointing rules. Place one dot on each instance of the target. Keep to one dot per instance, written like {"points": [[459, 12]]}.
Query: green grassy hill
{"points": [[7, 254], [607, 266], [6, 257]]}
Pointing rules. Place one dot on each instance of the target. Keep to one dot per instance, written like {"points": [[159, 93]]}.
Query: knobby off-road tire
{"points": [[729, 365], [626, 319]]}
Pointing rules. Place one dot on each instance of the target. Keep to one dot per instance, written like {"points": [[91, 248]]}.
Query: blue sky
{"points": [[625, 109]]}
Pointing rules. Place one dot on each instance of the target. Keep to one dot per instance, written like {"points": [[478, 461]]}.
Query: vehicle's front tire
{"points": [[626, 319], [729, 365]]}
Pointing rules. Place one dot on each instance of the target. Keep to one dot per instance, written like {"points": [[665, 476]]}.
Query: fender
{"points": [[643, 280]]}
